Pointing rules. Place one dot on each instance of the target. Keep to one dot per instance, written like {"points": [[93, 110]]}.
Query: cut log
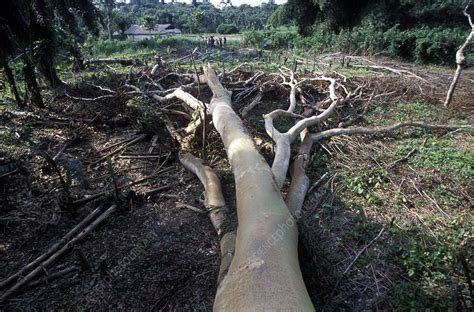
{"points": [[215, 206], [264, 274]]}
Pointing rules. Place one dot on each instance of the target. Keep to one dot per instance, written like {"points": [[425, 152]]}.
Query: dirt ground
{"points": [[152, 253]]}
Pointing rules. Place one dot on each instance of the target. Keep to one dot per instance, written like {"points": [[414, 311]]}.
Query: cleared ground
{"points": [[389, 228]]}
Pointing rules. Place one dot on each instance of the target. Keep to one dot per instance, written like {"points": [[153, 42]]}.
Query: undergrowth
{"points": [[426, 45], [422, 202]]}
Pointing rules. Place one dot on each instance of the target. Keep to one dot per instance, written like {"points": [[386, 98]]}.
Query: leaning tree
{"points": [[35, 31], [259, 261]]}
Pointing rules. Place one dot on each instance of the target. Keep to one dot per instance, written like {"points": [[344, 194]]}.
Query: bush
{"points": [[227, 29], [422, 45], [253, 39], [281, 39]]}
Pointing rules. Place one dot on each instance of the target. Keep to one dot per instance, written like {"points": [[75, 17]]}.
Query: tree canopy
{"points": [[34, 29], [341, 14]]}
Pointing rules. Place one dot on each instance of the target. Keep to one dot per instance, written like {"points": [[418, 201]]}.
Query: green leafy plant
{"points": [[227, 29]]}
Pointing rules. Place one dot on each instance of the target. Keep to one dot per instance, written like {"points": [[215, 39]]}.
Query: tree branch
{"points": [[460, 59], [354, 131]]}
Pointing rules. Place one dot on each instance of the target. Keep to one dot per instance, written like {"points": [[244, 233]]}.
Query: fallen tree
{"points": [[264, 272]]}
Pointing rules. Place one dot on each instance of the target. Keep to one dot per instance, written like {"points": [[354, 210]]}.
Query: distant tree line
{"points": [[383, 14], [192, 18]]}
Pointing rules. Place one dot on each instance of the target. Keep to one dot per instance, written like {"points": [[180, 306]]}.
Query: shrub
{"points": [[227, 29], [253, 39], [281, 39], [422, 45]]}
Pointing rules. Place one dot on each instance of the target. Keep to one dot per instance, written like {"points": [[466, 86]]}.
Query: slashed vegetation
{"points": [[387, 225], [199, 172]]}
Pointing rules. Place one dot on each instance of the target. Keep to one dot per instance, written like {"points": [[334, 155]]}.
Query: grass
{"points": [[427, 236], [426, 250], [402, 111], [439, 154], [422, 203], [139, 48]]}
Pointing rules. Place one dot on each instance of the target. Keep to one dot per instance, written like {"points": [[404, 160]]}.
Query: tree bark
{"points": [[215, 206], [31, 82], [12, 83], [264, 273], [460, 59], [47, 66]]}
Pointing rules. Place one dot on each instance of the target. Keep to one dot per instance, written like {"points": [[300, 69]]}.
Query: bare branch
{"points": [[299, 181], [89, 99], [355, 131], [460, 59]]}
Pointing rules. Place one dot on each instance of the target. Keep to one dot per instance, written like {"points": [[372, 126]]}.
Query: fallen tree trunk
{"points": [[215, 206], [264, 273]]}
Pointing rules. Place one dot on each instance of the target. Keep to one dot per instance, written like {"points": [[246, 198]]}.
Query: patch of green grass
{"points": [[363, 229], [439, 154], [402, 111], [430, 264], [139, 48], [354, 71], [365, 184], [446, 198]]}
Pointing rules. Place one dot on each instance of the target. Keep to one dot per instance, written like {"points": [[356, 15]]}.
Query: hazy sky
{"points": [[236, 2], [239, 2]]}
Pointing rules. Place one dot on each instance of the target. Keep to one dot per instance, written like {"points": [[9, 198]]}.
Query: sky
{"points": [[239, 2], [235, 2]]}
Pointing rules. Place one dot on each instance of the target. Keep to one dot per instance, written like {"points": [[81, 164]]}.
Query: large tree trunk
{"points": [[31, 82], [12, 83], [265, 273], [47, 66]]}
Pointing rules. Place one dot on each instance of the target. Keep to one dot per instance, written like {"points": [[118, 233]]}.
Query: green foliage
{"points": [[341, 14], [280, 17], [253, 39], [430, 262], [198, 18], [439, 154], [403, 111], [274, 39], [365, 184], [149, 22], [422, 45], [227, 29], [363, 229], [132, 48]]}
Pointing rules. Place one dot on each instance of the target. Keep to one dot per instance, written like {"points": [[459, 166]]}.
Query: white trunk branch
{"points": [[283, 141], [215, 206], [460, 60], [299, 181], [265, 273]]}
